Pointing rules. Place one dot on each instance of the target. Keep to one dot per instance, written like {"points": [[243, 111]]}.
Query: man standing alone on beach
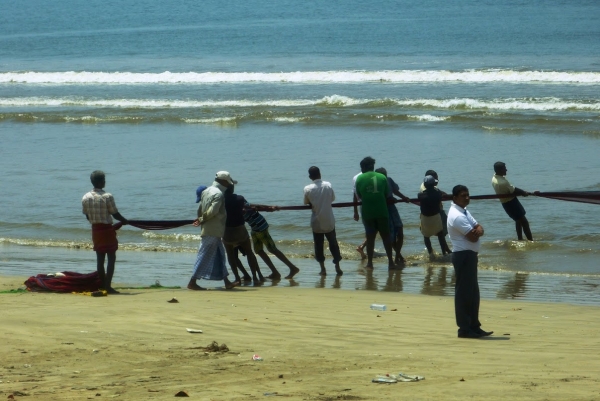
{"points": [[372, 189], [319, 195], [511, 205], [465, 233], [98, 207], [210, 261]]}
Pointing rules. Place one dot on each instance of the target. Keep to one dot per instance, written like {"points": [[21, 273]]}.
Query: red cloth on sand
{"points": [[71, 282]]}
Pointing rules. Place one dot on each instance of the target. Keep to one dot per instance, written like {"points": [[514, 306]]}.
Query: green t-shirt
{"points": [[372, 189]]}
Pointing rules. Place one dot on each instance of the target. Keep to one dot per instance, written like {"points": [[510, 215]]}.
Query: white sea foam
{"points": [[216, 120], [153, 103], [310, 77], [428, 117], [535, 104], [287, 119]]}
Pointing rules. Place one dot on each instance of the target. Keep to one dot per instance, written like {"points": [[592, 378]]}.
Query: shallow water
{"points": [[161, 104]]}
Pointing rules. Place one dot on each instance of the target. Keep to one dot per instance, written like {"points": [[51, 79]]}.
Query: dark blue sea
{"points": [[161, 95]]}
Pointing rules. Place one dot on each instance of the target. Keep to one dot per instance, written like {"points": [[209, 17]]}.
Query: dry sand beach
{"points": [[316, 344]]}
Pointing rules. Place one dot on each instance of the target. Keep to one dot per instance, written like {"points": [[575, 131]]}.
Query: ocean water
{"points": [[163, 95]]}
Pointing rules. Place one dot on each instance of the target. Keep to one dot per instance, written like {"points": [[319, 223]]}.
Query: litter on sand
{"points": [[400, 377], [194, 330]]}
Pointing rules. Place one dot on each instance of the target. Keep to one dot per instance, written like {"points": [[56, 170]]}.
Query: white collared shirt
{"points": [[320, 196], [460, 223]]}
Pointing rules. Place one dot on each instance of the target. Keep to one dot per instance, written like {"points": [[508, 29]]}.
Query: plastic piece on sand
{"points": [[256, 357], [194, 330], [400, 377], [384, 379], [378, 307], [408, 378]]}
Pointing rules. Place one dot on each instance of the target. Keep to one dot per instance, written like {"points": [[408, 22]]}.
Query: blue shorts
{"points": [[514, 209]]}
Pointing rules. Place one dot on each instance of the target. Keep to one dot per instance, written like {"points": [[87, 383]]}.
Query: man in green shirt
{"points": [[372, 189]]}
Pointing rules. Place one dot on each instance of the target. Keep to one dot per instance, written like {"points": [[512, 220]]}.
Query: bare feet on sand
{"points": [[359, 249], [274, 276], [293, 272], [400, 260]]}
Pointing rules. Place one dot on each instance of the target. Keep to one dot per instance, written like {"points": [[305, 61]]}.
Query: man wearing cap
{"points": [[465, 232], [211, 260], [511, 204], [319, 195], [431, 218], [443, 214]]}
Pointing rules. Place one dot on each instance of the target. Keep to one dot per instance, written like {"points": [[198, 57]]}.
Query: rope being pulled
{"points": [[155, 224], [591, 197]]}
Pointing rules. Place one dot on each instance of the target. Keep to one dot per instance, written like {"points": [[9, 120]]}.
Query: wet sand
{"points": [[316, 344]]}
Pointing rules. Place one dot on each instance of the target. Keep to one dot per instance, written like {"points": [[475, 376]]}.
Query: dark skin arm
{"points": [[264, 208], [475, 233], [355, 200], [401, 195], [522, 192], [120, 218]]}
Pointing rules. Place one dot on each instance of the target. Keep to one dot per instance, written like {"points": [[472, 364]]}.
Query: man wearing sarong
{"points": [[98, 207], [432, 224], [236, 237], [442, 212], [211, 260]]}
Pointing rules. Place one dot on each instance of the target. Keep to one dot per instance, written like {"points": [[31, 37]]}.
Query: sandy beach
{"points": [[316, 344]]}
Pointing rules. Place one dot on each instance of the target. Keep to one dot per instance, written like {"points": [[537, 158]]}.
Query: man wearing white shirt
{"points": [[464, 234], [319, 195]]}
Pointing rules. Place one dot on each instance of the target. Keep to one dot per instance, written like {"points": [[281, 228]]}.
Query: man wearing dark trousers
{"points": [[464, 233]]}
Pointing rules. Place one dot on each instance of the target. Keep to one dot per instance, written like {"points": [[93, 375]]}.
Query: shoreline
{"points": [[135, 269], [320, 345]]}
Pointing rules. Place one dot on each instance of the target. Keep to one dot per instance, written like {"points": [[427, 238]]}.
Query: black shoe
{"points": [[482, 332], [468, 334]]}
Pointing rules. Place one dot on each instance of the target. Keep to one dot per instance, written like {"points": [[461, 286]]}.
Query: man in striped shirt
{"points": [[261, 237]]}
